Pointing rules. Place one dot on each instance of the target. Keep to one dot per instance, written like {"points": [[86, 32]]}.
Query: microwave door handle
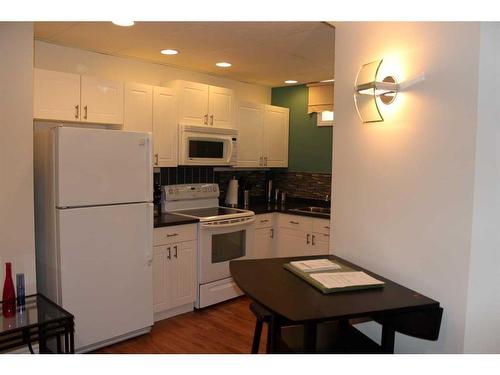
{"points": [[230, 150], [217, 226]]}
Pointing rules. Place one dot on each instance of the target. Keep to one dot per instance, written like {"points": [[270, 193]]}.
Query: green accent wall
{"points": [[310, 147]]}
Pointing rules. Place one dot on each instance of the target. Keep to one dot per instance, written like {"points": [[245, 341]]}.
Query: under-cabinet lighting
{"points": [[223, 64]]}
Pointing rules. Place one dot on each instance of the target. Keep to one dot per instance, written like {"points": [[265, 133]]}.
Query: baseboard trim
{"points": [[114, 340], [161, 315]]}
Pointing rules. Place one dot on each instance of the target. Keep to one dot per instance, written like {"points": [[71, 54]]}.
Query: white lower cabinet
{"points": [[174, 270], [302, 235], [263, 246], [285, 235]]}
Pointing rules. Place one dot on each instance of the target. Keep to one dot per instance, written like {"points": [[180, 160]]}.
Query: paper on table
{"points": [[332, 280], [314, 265]]}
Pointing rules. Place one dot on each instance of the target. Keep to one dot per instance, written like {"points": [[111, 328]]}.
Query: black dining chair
{"points": [[262, 315]]}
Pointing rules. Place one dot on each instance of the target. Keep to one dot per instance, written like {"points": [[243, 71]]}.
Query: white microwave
{"points": [[206, 145]]}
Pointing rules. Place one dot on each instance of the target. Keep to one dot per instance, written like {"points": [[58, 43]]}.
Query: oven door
{"points": [[206, 149], [220, 242]]}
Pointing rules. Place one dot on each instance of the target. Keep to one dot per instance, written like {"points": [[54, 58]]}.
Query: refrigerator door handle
{"points": [[149, 245]]}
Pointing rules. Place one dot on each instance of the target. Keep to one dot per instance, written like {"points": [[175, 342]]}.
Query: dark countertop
{"points": [[168, 219], [260, 207]]}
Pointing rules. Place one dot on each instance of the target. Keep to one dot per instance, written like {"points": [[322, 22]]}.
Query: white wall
{"points": [[72, 60], [16, 151], [482, 334], [403, 188]]}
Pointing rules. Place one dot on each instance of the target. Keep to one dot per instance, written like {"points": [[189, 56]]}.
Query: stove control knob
{"points": [[204, 189], [170, 191]]}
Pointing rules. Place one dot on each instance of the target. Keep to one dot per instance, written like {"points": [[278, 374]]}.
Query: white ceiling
{"points": [[265, 53]]}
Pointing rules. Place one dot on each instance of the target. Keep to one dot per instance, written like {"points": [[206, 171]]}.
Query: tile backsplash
{"points": [[304, 184], [186, 175], [295, 184]]}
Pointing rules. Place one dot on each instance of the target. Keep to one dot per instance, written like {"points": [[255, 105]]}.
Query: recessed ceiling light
{"points": [[289, 81], [223, 64], [123, 23], [328, 80], [169, 52]]}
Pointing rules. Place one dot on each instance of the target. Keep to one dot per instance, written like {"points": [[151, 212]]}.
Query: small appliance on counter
{"points": [[157, 199], [232, 193], [269, 191]]}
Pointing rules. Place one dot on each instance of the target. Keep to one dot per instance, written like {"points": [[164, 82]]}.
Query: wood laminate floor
{"points": [[224, 328]]}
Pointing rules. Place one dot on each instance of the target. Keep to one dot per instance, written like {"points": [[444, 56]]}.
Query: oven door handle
{"points": [[217, 226]]}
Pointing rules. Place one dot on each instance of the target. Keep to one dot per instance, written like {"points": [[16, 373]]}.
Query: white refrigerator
{"points": [[94, 230]]}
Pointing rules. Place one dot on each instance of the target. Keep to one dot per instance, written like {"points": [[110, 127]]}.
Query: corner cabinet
{"points": [[263, 135], [74, 98], [201, 104], [174, 270]]}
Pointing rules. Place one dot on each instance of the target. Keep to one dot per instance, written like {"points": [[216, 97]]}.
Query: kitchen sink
{"points": [[316, 210]]}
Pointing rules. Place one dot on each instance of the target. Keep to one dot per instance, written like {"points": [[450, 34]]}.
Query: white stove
{"points": [[224, 234]]}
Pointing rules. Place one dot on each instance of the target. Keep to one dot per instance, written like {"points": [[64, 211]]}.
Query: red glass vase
{"points": [[9, 295]]}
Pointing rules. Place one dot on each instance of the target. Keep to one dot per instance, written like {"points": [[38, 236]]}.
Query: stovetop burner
{"points": [[199, 201]]}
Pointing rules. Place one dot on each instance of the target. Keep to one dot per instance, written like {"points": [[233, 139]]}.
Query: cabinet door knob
{"points": [[307, 240], [312, 240], [85, 112], [175, 254], [77, 109], [156, 159], [272, 233], [265, 160], [211, 119], [294, 222], [205, 119], [172, 235], [169, 256]]}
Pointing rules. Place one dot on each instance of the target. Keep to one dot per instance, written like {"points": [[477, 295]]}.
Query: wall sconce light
{"points": [[368, 89]]}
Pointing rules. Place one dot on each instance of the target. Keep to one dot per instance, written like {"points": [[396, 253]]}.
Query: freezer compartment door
{"points": [[105, 269], [98, 166]]}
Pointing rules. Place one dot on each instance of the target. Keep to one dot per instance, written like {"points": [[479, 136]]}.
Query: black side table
{"points": [[39, 319]]}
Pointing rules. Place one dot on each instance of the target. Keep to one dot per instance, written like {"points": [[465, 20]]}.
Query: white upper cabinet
{"points": [[71, 97], [262, 135], [250, 134], [164, 127], [201, 104], [138, 107], [101, 100], [193, 102], [56, 96], [220, 107], [276, 126]]}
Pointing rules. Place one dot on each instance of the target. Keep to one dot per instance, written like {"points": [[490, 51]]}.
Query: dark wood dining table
{"points": [[312, 315]]}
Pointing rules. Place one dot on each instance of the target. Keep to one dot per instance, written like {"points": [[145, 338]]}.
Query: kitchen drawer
{"points": [[178, 233], [302, 223], [321, 226], [264, 221]]}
